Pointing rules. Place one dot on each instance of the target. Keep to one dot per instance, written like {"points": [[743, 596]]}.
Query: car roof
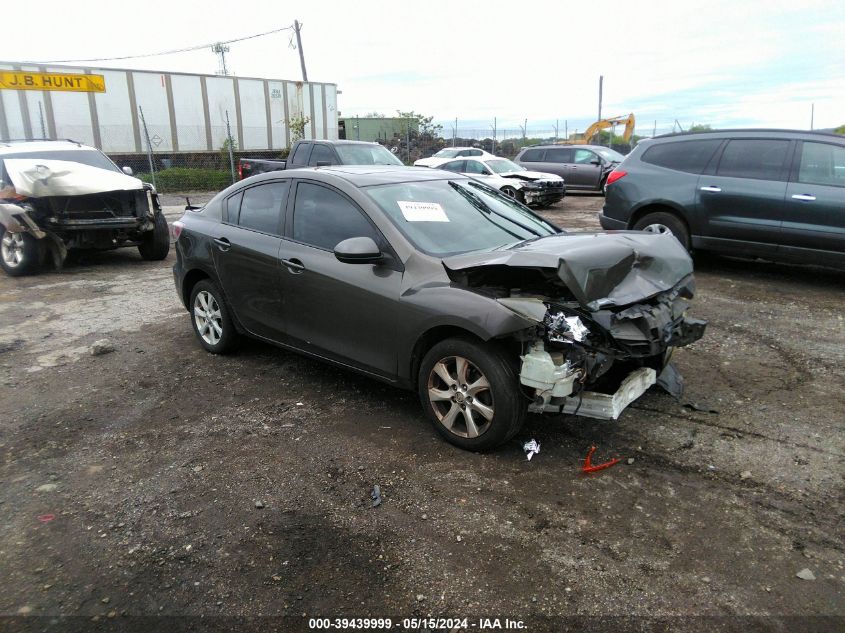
{"points": [[460, 148], [364, 175], [21, 146], [338, 141], [725, 133]]}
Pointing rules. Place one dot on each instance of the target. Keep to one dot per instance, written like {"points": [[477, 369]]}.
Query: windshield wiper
{"points": [[479, 204]]}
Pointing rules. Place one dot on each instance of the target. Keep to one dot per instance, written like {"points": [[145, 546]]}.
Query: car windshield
{"points": [[447, 153], [503, 166], [366, 155], [92, 158], [610, 155], [447, 217]]}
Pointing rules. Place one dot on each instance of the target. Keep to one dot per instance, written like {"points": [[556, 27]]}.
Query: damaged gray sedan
{"points": [[440, 284]]}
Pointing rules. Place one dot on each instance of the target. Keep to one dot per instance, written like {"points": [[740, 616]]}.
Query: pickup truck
{"points": [[321, 154]]}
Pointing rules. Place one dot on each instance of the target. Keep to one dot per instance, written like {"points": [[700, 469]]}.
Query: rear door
{"points": [[346, 312], [246, 256], [814, 215], [741, 202]]}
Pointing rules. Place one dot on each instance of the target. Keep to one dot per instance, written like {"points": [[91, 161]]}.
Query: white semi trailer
{"points": [[183, 112]]}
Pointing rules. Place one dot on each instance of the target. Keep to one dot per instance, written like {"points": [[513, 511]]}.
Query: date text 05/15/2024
{"points": [[415, 624]]}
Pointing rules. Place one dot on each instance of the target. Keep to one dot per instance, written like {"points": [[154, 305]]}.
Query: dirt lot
{"points": [[131, 481]]}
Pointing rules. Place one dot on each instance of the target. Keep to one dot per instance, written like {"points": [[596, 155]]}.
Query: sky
{"points": [[748, 63]]}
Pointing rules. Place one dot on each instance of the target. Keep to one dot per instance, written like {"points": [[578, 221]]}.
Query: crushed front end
{"points": [[603, 333]]}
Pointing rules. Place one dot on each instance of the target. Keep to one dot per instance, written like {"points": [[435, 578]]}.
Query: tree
{"points": [[700, 127], [425, 125], [374, 115], [839, 130]]}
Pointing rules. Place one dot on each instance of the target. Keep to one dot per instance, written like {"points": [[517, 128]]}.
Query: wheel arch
{"points": [[658, 207], [191, 279], [432, 337]]}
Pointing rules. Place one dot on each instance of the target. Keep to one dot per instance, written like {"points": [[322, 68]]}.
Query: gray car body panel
{"points": [[426, 296]]}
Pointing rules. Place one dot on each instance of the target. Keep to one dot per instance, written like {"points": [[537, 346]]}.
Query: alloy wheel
{"points": [[657, 228], [208, 318], [11, 248], [461, 396]]}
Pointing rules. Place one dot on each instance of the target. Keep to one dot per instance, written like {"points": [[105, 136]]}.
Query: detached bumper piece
{"points": [[603, 406]]}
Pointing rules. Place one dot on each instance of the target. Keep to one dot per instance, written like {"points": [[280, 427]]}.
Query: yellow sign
{"points": [[25, 80]]}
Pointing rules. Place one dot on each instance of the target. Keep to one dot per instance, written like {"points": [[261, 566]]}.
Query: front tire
{"points": [[20, 253], [471, 394], [661, 222], [211, 320], [155, 244], [513, 193]]}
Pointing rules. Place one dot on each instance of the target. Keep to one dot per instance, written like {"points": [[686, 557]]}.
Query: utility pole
{"points": [[494, 137], [601, 82], [566, 129], [455, 135], [812, 115], [221, 50], [525, 132], [556, 129], [297, 27]]}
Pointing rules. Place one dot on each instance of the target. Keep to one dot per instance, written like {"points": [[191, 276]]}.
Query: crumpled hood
{"points": [[39, 178], [600, 269], [530, 175]]}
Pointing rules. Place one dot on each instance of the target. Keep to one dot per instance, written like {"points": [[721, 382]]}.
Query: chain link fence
{"points": [[204, 171]]}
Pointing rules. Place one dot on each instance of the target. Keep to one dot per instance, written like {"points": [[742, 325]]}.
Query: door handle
{"points": [[804, 196], [294, 265], [711, 189], [222, 243]]}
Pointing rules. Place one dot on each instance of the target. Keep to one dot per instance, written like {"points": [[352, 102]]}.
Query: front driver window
{"points": [[584, 156], [324, 218], [474, 167]]}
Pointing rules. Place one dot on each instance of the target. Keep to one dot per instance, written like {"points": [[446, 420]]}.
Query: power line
{"points": [[170, 52]]}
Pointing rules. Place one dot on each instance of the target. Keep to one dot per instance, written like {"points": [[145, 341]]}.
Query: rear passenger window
{"points": [[753, 158], [261, 207], [300, 155], [822, 164], [321, 154], [532, 156], [689, 156], [324, 218], [456, 166], [561, 155]]}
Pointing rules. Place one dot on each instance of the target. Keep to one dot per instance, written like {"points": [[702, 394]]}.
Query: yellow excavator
{"points": [[603, 124]]}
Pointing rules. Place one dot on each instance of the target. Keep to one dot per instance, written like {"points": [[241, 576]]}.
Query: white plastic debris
{"points": [[531, 448]]}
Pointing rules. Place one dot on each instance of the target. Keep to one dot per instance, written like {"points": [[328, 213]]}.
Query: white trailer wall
{"points": [[183, 112]]}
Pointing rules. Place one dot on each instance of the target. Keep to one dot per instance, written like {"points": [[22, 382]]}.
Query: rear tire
{"points": [[513, 193], [471, 394], [20, 253], [662, 222], [211, 320], [155, 244]]}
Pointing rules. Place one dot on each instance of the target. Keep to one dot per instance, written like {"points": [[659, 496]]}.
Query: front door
{"points": [[585, 170], [346, 312], [814, 215]]}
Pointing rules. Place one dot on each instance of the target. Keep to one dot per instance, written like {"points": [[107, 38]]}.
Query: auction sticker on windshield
{"points": [[422, 211]]}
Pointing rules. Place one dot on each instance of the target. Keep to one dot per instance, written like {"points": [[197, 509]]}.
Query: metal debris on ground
{"points": [[588, 466], [531, 448], [376, 495]]}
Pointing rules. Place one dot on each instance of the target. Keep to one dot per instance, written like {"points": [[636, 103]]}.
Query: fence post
{"points": [[149, 146], [408, 139], [229, 143]]}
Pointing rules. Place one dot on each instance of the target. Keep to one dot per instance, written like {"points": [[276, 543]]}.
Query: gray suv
{"points": [[773, 194], [582, 167]]}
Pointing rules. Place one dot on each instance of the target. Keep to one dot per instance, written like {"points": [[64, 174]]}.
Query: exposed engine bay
{"points": [[606, 321]]}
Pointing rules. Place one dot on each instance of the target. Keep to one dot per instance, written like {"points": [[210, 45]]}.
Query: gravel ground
{"points": [[159, 480]]}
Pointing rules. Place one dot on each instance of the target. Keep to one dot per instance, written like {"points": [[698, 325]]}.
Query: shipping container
{"points": [[183, 112]]}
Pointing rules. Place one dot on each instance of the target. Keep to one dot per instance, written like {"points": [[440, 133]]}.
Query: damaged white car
{"points": [[534, 188], [439, 283], [62, 195]]}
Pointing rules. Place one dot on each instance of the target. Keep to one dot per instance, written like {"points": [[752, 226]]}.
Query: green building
{"points": [[374, 128]]}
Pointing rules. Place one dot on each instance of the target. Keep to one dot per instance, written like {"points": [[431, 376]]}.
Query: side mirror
{"points": [[126, 169], [595, 161], [358, 250]]}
